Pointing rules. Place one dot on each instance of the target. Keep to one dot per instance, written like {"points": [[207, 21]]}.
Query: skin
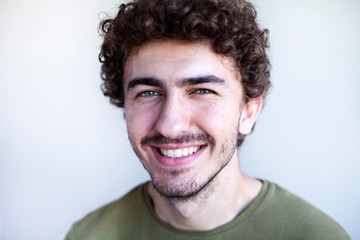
{"points": [[164, 106]]}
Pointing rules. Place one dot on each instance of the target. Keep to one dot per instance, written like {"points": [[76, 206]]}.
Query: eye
{"points": [[203, 91], [149, 93]]}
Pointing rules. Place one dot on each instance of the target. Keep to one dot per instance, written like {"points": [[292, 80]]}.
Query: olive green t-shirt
{"points": [[274, 214]]}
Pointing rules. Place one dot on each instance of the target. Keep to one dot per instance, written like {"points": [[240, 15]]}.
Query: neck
{"points": [[221, 201]]}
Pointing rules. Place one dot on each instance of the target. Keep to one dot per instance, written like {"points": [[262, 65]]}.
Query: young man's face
{"points": [[184, 109]]}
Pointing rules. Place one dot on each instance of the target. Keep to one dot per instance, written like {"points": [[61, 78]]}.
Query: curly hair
{"points": [[229, 25]]}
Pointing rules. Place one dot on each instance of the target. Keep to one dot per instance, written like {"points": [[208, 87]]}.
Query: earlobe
{"points": [[249, 114]]}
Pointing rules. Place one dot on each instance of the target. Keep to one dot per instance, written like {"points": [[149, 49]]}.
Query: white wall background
{"points": [[64, 148]]}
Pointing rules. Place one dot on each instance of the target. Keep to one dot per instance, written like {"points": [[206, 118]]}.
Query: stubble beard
{"points": [[179, 184]]}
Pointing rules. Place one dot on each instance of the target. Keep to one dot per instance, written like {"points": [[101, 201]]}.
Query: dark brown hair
{"points": [[229, 25]]}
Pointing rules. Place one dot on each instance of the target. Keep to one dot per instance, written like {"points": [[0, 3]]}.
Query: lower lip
{"points": [[177, 162]]}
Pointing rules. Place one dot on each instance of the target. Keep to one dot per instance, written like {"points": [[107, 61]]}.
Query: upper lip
{"points": [[177, 145]]}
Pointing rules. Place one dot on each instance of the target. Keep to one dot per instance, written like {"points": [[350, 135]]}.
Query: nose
{"points": [[174, 118]]}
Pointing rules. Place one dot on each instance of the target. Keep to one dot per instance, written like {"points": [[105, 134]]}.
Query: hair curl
{"points": [[229, 25]]}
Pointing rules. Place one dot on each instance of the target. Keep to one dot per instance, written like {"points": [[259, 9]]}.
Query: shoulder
{"points": [[294, 216], [103, 222]]}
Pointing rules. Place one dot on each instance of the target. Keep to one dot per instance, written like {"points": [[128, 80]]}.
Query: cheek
{"points": [[216, 119], [139, 124]]}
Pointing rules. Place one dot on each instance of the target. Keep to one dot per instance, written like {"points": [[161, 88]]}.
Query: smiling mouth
{"points": [[178, 153]]}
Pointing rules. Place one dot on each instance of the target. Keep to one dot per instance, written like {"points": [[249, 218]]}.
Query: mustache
{"points": [[186, 138]]}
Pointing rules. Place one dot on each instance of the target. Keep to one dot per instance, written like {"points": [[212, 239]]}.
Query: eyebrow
{"points": [[199, 80], [150, 81]]}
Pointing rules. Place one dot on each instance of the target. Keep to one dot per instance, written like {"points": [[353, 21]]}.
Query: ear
{"points": [[249, 114]]}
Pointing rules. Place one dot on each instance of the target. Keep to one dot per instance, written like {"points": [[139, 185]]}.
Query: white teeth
{"points": [[191, 150], [170, 153], [185, 152], [177, 153], [163, 151]]}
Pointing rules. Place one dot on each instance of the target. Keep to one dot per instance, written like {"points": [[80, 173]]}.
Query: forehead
{"points": [[171, 60]]}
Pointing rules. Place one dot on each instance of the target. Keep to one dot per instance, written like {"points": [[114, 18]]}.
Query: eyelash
{"points": [[148, 93], [203, 91]]}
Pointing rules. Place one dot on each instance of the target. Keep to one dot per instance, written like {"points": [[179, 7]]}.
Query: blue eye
{"points": [[148, 94], [203, 91]]}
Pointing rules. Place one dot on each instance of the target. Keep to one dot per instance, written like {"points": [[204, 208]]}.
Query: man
{"points": [[192, 76]]}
